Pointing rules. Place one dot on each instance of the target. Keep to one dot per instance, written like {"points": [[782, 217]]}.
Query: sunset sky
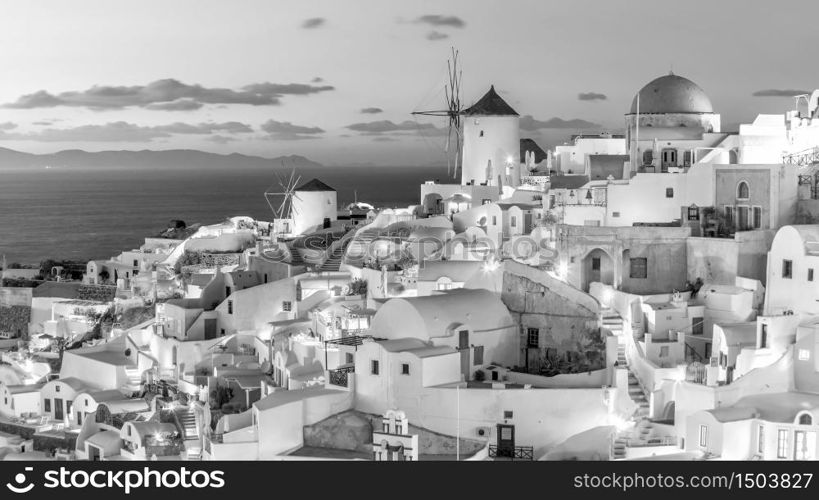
{"points": [[336, 81]]}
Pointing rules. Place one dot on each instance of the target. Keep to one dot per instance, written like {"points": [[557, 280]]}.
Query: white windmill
{"points": [[283, 196]]}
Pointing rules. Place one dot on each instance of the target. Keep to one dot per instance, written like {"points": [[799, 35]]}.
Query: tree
{"points": [[104, 275]]}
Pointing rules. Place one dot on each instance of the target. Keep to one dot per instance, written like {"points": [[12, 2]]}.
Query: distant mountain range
{"points": [[173, 158]]}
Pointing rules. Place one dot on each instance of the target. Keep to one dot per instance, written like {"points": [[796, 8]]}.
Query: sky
{"points": [[337, 81]]}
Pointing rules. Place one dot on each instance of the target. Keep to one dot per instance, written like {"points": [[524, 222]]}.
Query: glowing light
{"points": [[607, 296], [563, 270], [491, 265], [509, 159]]}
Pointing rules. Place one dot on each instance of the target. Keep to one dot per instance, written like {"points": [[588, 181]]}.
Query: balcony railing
{"points": [[339, 377], [518, 453]]}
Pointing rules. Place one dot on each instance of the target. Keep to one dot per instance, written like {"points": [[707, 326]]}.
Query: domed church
{"points": [[670, 118]]}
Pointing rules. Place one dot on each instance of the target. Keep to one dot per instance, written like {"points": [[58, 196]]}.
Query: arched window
{"points": [[805, 419], [743, 192]]}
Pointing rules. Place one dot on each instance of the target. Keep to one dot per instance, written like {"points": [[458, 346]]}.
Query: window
{"points": [[805, 419], [669, 159], [723, 360], [669, 192], [227, 291], [405, 369], [514, 221], [68, 405], [86, 403], [760, 439], [507, 414], [757, 216], [57, 388], [287, 306], [810, 274], [481, 134], [230, 307], [486, 201], [787, 268], [494, 220], [129, 430], [664, 351], [648, 157], [47, 405], [804, 354], [615, 214], [782, 443], [687, 159], [136, 263], [693, 213], [444, 285], [638, 268], [696, 326], [265, 277], [763, 341], [494, 375], [477, 355], [743, 192], [349, 358], [595, 263], [533, 337], [374, 367], [703, 436]]}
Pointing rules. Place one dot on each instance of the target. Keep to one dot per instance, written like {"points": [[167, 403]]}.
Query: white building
{"points": [[491, 143], [315, 206]]}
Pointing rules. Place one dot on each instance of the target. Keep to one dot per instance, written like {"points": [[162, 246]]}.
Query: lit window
{"points": [[230, 307], [810, 274], [757, 214], [669, 192], [287, 306], [804, 354], [693, 213]]}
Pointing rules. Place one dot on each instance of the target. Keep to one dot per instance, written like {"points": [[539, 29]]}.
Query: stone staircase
{"points": [[612, 321], [193, 450], [334, 261], [134, 382]]}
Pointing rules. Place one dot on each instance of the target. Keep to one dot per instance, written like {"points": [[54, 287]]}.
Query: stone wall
{"points": [[566, 317], [14, 321], [353, 430]]}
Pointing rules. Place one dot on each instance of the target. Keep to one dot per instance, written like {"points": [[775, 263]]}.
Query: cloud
{"points": [[288, 131], [436, 35], [371, 111], [8, 125], [166, 94], [386, 126], [125, 132], [317, 79], [591, 96], [221, 139], [531, 124], [439, 20], [384, 138], [177, 105], [779, 93], [313, 22]]}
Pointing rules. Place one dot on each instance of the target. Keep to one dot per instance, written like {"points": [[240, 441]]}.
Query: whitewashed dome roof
{"points": [[672, 94]]}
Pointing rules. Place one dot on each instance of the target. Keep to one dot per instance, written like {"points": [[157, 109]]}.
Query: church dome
{"points": [[672, 94]]}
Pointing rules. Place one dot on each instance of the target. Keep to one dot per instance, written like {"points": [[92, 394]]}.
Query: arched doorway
{"points": [[597, 266]]}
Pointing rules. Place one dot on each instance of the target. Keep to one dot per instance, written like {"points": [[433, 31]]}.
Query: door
{"points": [[595, 269], [463, 347], [79, 418], [763, 342], [58, 409], [210, 328], [506, 440], [804, 445], [742, 218]]}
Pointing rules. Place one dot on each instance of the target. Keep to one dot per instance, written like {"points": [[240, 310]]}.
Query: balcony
{"points": [[339, 377], [518, 453]]}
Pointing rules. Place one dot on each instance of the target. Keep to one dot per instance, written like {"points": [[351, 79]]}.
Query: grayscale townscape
{"points": [[638, 287]]}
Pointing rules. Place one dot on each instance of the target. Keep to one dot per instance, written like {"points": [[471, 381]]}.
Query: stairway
{"points": [[188, 422], [334, 261], [134, 382], [193, 450], [612, 321]]}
